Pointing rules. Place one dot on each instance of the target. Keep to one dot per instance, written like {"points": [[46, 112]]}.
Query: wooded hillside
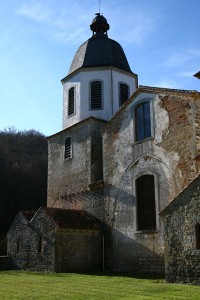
{"points": [[23, 173]]}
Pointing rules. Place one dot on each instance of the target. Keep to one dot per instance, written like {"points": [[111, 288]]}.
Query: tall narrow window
{"points": [[40, 244], [71, 106], [18, 245], [142, 121], [68, 148], [96, 95], [123, 93], [197, 234], [146, 209]]}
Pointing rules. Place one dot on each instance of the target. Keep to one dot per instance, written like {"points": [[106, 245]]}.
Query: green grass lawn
{"points": [[27, 285]]}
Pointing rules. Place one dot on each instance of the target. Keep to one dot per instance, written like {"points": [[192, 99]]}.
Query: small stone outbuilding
{"points": [[55, 240], [182, 236]]}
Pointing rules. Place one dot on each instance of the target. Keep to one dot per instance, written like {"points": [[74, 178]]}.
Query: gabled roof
{"points": [[71, 219], [27, 214], [188, 192], [150, 90], [76, 125]]}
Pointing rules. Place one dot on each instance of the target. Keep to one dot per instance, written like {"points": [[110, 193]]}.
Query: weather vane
{"points": [[99, 7]]}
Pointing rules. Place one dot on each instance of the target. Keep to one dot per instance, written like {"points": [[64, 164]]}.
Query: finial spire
{"points": [[99, 7], [99, 24]]}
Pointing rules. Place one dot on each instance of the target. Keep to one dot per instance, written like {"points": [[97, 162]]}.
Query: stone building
{"points": [[55, 240], [182, 235], [124, 153]]}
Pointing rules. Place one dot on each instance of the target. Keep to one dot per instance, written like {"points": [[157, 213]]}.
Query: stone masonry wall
{"points": [[74, 175], [169, 155], [78, 251], [23, 247], [182, 257]]}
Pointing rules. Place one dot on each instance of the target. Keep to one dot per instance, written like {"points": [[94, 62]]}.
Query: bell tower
{"points": [[99, 80]]}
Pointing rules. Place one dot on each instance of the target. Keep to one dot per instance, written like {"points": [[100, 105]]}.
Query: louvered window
{"points": [[142, 121], [123, 93], [96, 95], [68, 148], [146, 208], [71, 107]]}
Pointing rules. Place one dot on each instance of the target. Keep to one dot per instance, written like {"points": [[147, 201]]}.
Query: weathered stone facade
{"points": [[121, 160], [182, 250], [163, 155], [55, 240], [67, 176]]}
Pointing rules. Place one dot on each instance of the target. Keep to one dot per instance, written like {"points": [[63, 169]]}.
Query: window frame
{"points": [[74, 102], [102, 95], [68, 157], [151, 115], [119, 89]]}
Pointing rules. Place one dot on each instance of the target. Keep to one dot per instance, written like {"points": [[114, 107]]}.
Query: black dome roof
{"points": [[100, 51]]}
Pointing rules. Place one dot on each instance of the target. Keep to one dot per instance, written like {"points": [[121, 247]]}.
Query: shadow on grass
{"points": [[100, 273], [124, 274]]}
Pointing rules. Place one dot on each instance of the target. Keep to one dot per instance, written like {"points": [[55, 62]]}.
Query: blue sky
{"points": [[38, 39]]}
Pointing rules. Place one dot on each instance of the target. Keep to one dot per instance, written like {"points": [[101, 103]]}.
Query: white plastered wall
{"points": [[110, 93]]}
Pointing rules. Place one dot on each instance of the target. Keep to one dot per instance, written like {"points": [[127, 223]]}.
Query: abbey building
{"points": [[123, 175]]}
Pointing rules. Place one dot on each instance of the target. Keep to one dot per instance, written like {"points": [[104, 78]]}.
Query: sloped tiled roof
{"points": [[71, 219], [149, 90]]}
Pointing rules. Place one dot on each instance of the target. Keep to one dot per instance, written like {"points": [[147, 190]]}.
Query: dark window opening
{"points": [[197, 234], [146, 210], [96, 95], [142, 121], [40, 244], [71, 102], [18, 245], [123, 93], [68, 148]]}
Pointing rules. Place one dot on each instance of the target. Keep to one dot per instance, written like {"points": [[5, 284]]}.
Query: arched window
{"points": [[68, 148], [142, 121], [71, 104], [197, 235], [123, 93], [146, 208], [96, 95]]}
